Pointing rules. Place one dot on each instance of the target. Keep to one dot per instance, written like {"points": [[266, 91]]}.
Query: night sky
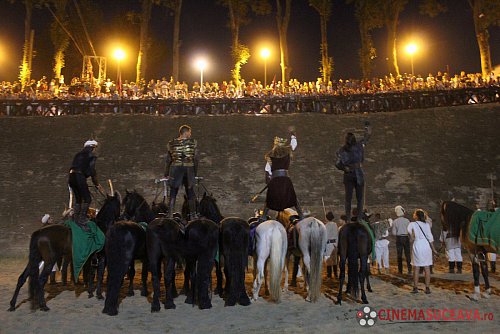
{"points": [[447, 41]]}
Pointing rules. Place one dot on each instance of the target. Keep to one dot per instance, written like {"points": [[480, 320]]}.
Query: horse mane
{"points": [[209, 208], [455, 218], [142, 212]]}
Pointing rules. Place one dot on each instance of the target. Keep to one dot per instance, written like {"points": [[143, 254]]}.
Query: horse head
{"points": [[208, 208], [109, 212], [159, 209], [136, 208]]}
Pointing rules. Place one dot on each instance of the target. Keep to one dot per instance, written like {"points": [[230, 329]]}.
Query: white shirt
{"points": [[293, 144]]}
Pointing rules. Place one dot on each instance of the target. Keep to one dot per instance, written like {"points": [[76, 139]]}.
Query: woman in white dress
{"points": [[422, 248]]}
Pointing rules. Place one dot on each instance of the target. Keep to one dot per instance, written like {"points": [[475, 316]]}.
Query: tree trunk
{"points": [[143, 42], [176, 44], [59, 62], [482, 36], [25, 72], [366, 50], [392, 59], [325, 60], [283, 22], [235, 34]]}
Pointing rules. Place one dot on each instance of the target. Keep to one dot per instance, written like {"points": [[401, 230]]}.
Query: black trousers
{"points": [[403, 243], [351, 184], [78, 183]]}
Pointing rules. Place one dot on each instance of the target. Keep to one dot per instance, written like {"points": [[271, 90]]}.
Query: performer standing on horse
{"points": [[82, 167], [280, 192], [181, 169], [349, 159]]}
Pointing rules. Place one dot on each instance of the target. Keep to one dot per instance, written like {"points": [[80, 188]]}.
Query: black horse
{"points": [[51, 244], [233, 246], [354, 244], [108, 215], [197, 245], [126, 242], [455, 219]]}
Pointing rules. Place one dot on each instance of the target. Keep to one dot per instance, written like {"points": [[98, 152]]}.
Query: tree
{"points": [[145, 17], [283, 20], [176, 7], [486, 13], [59, 37], [324, 9], [238, 11], [369, 17]]}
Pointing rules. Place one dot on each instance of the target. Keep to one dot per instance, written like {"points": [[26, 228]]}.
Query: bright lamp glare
{"points": [[201, 64], [119, 54], [411, 49], [265, 53]]}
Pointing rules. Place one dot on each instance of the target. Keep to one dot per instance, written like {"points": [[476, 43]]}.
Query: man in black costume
{"points": [[82, 167], [181, 168], [349, 159]]}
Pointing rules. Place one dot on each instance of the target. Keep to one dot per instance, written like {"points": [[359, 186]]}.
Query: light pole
{"points": [[411, 49], [119, 55], [201, 64], [265, 53]]}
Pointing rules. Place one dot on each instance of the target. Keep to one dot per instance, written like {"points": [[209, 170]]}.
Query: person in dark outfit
{"points": [[350, 158], [280, 192], [181, 169], [82, 167]]}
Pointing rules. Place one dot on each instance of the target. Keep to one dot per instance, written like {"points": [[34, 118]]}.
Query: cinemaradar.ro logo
{"points": [[366, 316]]}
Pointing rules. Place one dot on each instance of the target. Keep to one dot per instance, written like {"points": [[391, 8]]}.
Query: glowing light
{"points": [[411, 49], [265, 53], [201, 64], [119, 54]]}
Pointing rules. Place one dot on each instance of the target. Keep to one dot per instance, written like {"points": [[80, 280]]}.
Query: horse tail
{"points": [[352, 258], [316, 264], [276, 264], [34, 259], [236, 250]]}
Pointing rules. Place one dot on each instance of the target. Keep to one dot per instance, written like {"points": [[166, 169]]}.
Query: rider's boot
{"points": [[171, 207], [263, 216], [299, 211], [77, 208], [192, 209], [82, 218]]}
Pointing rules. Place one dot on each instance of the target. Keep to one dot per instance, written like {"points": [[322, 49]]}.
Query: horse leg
{"points": [[218, 273], [169, 277], [20, 282], [362, 274], [144, 277], [205, 264], [42, 280], [91, 275], [484, 272], [287, 262], [266, 288], [368, 285], [475, 271], [342, 279], [257, 283], [190, 271], [227, 275], [131, 275], [100, 276], [64, 270]]}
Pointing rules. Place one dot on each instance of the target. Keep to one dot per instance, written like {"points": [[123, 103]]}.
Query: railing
{"points": [[330, 104]]}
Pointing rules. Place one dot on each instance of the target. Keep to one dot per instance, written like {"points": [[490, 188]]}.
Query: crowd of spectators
{"points": [[169, 89]]}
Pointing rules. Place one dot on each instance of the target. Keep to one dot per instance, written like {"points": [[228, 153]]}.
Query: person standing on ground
{"points": [[400, 230]]}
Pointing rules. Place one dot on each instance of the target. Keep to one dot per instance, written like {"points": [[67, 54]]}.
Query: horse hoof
{"points": [[370, 290], [364, 301], [91, 295], [474, 297], [189, 300], [12, 309], [110, 312], [266, 293], [205, 306], [100, 297], [229, 302], [218, 292], [44, 308], [245, 301], [170, 305], [144, 293]]}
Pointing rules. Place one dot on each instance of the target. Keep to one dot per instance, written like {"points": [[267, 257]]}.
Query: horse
{"points": [[271, 242], [198, 247], [456, 219], [233, 246], [312, 242], [126, 242], [51, 244], [354, 244], [109, 213], [288, 218]]}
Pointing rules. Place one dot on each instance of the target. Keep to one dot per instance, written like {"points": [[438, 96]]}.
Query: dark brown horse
{"points": [[455, 219]]}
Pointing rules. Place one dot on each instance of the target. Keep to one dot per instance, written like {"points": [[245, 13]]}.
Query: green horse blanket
{"points": [[484, 230], [84, 244]]}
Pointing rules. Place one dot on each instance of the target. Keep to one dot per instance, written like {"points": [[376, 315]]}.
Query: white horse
{"points": [[312, 243], [271, 242]]}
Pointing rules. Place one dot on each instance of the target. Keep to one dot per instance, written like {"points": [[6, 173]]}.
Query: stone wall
{"points": [[414, 158]]}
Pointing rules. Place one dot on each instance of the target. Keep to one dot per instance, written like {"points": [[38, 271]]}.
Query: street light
{"points": [[411, 49], [201, 64], [265, 53], [119, 55]]}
